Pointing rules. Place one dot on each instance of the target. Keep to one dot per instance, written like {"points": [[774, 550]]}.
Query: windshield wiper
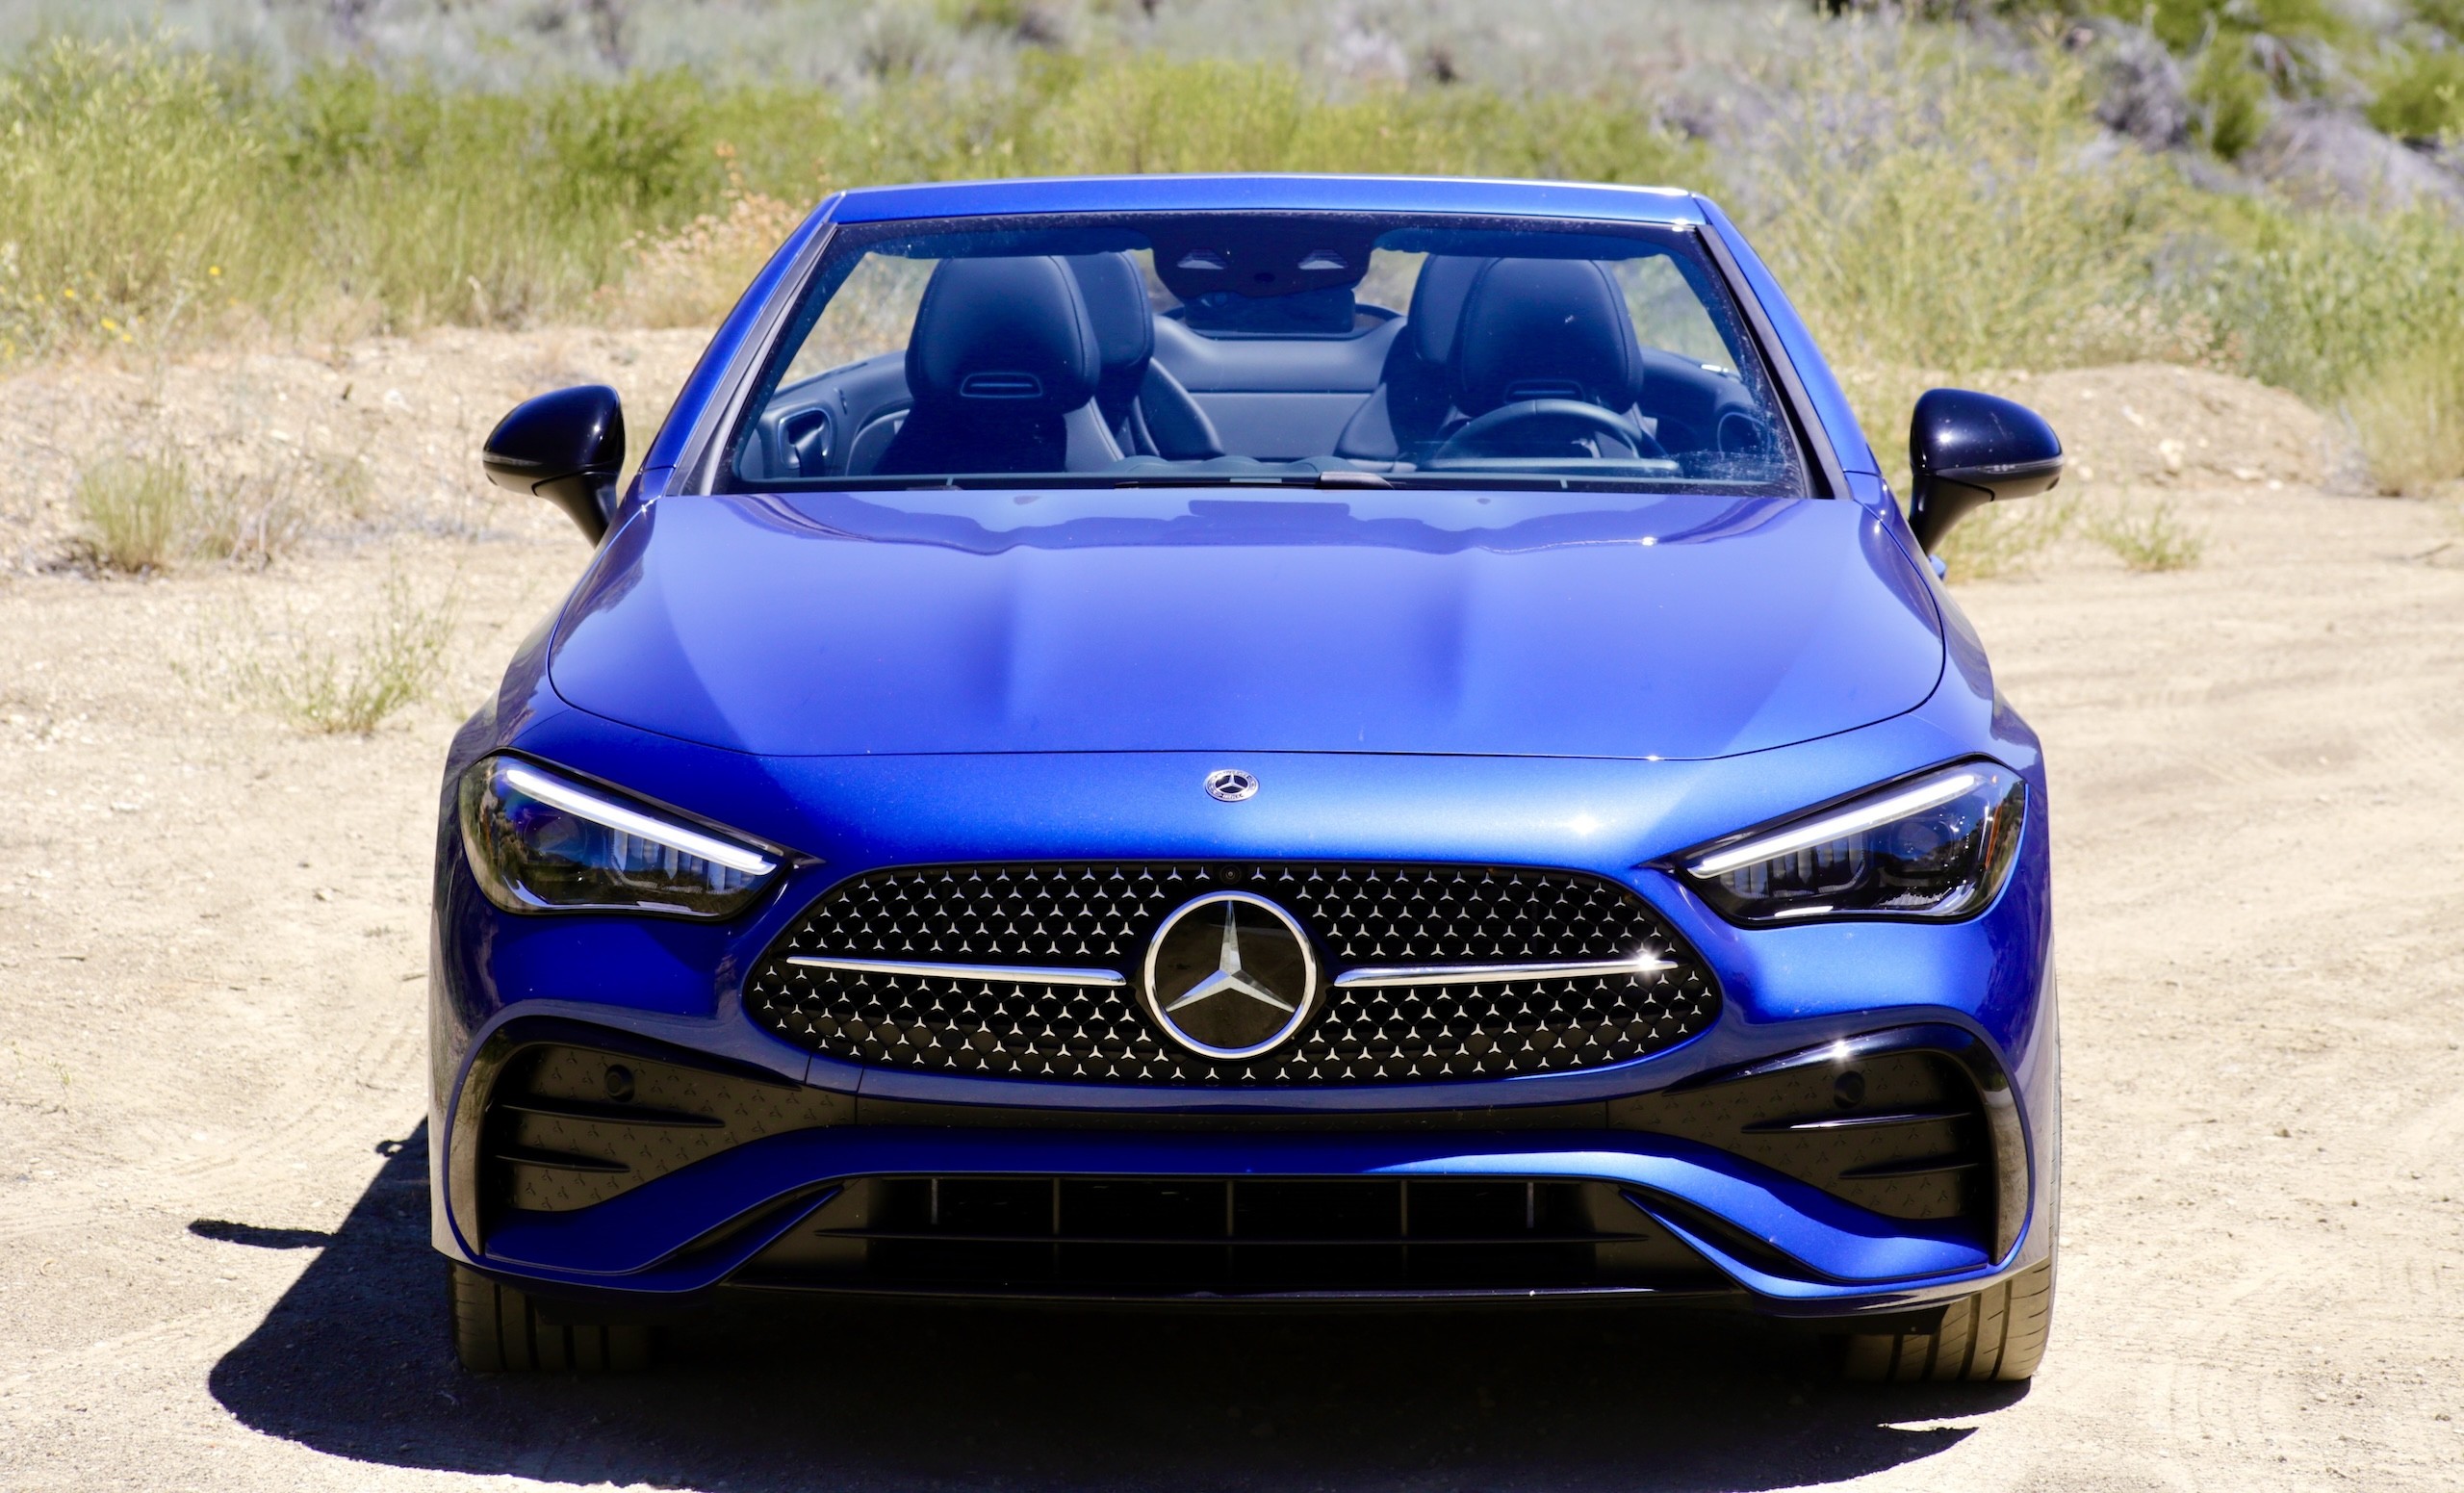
{"points": [[1251, 479]]}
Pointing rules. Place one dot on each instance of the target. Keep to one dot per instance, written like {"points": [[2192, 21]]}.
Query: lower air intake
{"points": [[1147, 1238]]}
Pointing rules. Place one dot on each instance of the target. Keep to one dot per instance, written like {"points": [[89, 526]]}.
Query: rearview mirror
{"points": [[567, 447], [1966, 450]]}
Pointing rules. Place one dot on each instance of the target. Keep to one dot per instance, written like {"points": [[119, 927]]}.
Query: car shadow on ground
{"points": [[354, 1361]]}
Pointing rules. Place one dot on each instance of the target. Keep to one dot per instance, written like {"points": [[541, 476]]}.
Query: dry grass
{"points": [[2408, 420], [1935, 222], [248, 522], [690, 277], [2005, 539], [2148, 537], [145, 513], [137, 511], [335, 681]]}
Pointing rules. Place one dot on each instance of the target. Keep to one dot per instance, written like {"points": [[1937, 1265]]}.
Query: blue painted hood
{"points": [[1560, 624]]}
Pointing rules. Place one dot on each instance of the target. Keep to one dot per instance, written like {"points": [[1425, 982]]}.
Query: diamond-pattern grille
{"points": [[1100, 915]]}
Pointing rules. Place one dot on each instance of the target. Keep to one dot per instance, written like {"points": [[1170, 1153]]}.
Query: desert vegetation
{"points": [[1971, 193], [2023, 186]]}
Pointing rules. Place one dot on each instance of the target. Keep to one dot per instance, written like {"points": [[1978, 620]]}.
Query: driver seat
{"points": [[1410, 406], [1546, 329]]}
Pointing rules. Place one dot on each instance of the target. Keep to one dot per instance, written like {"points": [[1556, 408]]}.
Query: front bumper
{"points": [[710, 1175]]}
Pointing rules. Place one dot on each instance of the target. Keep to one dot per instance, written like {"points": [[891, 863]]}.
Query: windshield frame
{"points": [[756, 361]]}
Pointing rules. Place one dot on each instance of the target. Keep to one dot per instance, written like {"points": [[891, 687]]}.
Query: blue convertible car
{"points": [[1244, 739]]}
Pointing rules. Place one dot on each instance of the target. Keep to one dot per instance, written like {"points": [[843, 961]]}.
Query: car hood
{"points": [[1573, 625]]}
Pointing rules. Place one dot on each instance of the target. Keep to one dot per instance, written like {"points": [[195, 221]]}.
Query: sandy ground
{"points": [[213, 1261]]}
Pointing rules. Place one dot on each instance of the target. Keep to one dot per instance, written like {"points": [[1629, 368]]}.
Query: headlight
{"points": [[538, 842], [1934, 846]]}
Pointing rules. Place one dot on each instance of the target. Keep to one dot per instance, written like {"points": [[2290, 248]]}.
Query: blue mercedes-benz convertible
{"points": [[1253, 740]]}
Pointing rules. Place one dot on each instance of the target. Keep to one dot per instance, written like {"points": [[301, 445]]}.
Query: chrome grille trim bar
{"points": [[1369, 977], [1373, 976], [1017, 975]]}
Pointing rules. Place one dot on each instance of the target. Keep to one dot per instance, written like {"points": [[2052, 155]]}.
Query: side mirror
{"points": [[567, 447], [1966, 450]]}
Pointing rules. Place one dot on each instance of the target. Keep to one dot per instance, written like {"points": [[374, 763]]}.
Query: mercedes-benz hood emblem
{"points": [[1231, 975], [1231, 786]]}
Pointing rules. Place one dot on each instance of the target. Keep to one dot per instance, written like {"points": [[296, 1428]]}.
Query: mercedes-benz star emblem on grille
{"points": [[1231, 784], [1229, 976]]}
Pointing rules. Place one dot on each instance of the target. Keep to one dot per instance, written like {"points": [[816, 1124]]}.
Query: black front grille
{"points": [[1182, 1236], [1100, 916]]}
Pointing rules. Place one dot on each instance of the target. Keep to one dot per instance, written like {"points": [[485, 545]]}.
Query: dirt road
{"points": [[212, 1260]]}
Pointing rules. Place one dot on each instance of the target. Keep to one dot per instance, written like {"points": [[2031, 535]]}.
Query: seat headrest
{"points": [[1544, 330], [1115, 297], [1437, 305], [1006, 336]]}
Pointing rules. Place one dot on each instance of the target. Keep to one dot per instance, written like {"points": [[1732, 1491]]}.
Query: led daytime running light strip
{"points": [[1932, 793], [615, 816]]}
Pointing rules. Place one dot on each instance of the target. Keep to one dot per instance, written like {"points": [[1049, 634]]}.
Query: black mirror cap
{"points": [[1966, 450], [567, 447]]}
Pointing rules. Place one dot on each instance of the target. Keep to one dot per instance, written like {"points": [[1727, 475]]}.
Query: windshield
{"points": [[1304, 349]]}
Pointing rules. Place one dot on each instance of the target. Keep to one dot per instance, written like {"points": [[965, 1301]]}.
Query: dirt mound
{"points": [[2163, 424], [382, 433]]}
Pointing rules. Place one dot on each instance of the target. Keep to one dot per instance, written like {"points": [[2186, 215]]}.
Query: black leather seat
{"points": [[1545, 365], [1003, 365], [1544, 330], [1144, 407], [1414, 398]]}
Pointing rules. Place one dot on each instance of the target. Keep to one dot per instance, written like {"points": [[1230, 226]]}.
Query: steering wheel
{"points": [[1536, 419]]}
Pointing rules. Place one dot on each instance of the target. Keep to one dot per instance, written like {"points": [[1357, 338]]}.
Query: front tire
{"points": [[1998, 1333], [498, 1330]]}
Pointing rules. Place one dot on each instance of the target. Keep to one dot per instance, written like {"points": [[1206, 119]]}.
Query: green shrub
{"points": [[2447, 15], [2421, 98], [2230, 97], [146, 190], [2360, 314], [128, 203], [1965, 230], [2185, 25], [429, 206], [2317, 301]]}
